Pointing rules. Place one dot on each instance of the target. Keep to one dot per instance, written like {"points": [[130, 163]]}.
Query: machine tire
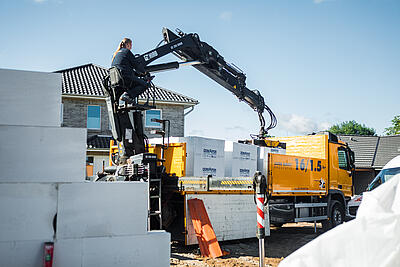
{"points": [[335, 217], [337, 213]]}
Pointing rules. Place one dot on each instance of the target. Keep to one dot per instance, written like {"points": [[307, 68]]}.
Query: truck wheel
{"points": [[337, 213], [335, 217]]}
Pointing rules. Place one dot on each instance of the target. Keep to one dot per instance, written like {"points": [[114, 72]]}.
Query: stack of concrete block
{"points": [[36, 154], [262, 158], [34, 147], [26, 222], [43, 174], [204, 156], [105, 224], [240, 159], [30, 98]]}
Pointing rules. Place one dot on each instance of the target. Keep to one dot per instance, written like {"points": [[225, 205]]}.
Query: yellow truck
{"points": [[313, 182]]}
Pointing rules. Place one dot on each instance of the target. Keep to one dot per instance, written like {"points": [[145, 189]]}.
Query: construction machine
{"points": [[132, 158], [312, 183]]}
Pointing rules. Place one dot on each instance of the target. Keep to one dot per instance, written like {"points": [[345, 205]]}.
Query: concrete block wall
{"points": [[105, 224], [42, 154], [101, 209], [27, 211], [22, 253], [22, 100], [232, 216], [150, 249], [26, 222], [43, 169]]}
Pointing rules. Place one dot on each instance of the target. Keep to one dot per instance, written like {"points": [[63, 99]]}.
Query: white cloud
{"points": [[226, 15], [39, 1], [297, 124]]}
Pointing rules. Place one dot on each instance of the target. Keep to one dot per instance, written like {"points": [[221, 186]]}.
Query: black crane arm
{"points": [[207, 60]]}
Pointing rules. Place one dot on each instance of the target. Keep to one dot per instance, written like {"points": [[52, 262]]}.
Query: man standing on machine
{"points": [[125, 62]]}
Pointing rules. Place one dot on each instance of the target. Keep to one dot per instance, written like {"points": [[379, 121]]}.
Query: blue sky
{"points": [[316, 62]]}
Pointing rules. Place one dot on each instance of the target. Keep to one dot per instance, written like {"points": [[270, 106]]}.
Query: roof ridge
{"points": [[81, 66], [76, 67], [376, 151], [394, 135], [173, 92], [358, 135]]}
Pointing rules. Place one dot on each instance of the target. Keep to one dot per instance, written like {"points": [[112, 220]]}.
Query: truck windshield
{"points": [[383, 176]]}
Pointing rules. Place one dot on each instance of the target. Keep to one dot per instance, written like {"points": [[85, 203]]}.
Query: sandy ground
{"points": [[282, 242]]}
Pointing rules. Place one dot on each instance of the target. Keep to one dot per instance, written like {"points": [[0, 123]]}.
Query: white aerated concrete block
{"points": [[205, 156], [27, 211], [232, 216], [240, 159], [42, 154], [22, 253], [30, 98], [262, 159], [102, 209], [151, 249]]}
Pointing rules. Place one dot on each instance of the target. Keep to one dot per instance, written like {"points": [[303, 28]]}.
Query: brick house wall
{"points": [[174, 113], [75, 116]]}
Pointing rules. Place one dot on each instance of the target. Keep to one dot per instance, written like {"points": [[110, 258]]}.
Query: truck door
{"points": [[344, 171]]}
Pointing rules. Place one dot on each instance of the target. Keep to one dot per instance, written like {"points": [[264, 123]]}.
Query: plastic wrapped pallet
{"points": [[262, 158], [205, 156], [371, 239], [240, 159]]}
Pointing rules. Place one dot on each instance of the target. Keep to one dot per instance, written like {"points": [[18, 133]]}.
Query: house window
{"points": [[152, 114], [93, 117]]}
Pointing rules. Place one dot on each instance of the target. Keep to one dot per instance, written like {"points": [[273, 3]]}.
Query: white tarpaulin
{"points": [[372, 239]]}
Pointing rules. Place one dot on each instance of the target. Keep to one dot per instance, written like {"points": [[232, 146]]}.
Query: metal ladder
{"points": [[154, 207], [155, 183]]}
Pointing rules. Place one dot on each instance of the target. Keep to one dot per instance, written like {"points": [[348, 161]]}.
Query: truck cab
{"points": [[313, 182]]}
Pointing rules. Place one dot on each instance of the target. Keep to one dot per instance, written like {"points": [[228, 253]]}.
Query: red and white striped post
{"points": [[260, 185]]}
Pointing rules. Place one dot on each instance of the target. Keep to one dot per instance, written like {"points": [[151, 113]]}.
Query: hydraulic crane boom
{"points": [[191, 51], [207, 60], [132, 160]]}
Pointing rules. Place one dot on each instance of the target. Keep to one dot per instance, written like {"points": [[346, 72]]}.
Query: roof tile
{"points": [[86, 80], [373, 151]]}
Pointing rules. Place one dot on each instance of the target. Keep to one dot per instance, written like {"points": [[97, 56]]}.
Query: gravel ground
{"points": [[282, 242]]}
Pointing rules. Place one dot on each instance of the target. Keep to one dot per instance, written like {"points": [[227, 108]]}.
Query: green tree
{"points": [[395, 128], [353, 128]]}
